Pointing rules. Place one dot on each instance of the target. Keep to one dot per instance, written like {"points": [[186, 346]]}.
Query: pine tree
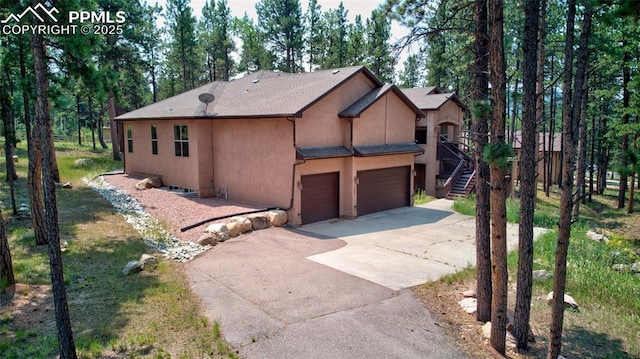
{"points": [[183, 50], [215, 35], [280, 21], [379, 58]]}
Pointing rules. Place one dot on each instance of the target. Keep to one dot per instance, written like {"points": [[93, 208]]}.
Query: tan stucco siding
{"points": [[320, 125], [348, 168], [387, 121], [253, 160], [175, 171]]}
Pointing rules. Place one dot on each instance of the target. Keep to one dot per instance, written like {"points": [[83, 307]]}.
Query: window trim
{"points": [[130, 139], [181, 140], [154, 139]]}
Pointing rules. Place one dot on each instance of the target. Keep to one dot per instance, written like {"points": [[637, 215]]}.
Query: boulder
{"points": [[569, 302], [219, 231], [597, 236], [469, 305], [148, 262], [486, 330], [234, 229], [82, 161], [259, 221], [207, 239], [278, 217], [469, 293], [149, 182], [541, 275], [243, 224], [132, 267]]}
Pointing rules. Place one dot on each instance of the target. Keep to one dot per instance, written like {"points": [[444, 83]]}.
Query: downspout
{"points": [[296, 164]]}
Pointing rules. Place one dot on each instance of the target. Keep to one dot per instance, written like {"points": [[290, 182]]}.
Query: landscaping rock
{"points": [[242, 223], [597, 236], [234, 229], [148, 262], [219, 231], [541, 275], [469, 305], [259, 221], [82, 161], [277, 217], [207, 239], [569, 302], [132, 267], [149, 182], [152, 231], [486, 330], [469, 293]]}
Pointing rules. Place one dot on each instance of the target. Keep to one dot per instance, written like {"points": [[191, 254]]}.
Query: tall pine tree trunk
{"points": [[7, 279], [43, 129], [480, 132], [528, 175], [566, 198], [34, 176], [579, 104], [115, 141], [624, 141], [497, 177]]}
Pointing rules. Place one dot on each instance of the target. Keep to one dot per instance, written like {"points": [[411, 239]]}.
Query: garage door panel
{"points": [[383, 189], [320, 197]]}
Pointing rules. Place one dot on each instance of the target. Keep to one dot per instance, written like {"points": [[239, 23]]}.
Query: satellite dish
{"points": [[206, 98]]}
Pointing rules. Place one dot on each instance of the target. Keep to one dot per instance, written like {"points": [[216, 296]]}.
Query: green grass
{"points": [[420, 197], [152, 314], [545, 216], [608, 320]]}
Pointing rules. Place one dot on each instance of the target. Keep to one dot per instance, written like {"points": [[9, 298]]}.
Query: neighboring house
{"points": [[321, 145], [444, 163], [552, 148]]}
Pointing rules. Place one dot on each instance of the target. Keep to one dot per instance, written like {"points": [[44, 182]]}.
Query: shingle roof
{"points": [[429, 98], [358, 107], [262, 94], [393, 148], [310, 153]]}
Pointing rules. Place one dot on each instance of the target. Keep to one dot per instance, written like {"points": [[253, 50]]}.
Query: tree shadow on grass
{"points": [[579, 342], [102, 301]]}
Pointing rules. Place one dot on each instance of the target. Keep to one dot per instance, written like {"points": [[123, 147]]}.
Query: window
{"points": [[129, 139], [154, 140], [421, 135], [181, 140]]}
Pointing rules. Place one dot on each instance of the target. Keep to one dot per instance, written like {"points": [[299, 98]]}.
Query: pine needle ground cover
{"points": [[599, 277], [150, 314]]}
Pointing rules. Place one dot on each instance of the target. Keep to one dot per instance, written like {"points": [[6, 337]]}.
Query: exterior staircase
{"points": [[464, 185]]}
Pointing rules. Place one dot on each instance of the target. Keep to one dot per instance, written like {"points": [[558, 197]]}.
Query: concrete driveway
{"points": [[404, 247], [336, 289]]}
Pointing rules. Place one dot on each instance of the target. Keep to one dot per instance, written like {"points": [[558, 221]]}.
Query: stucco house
{"points": [[444, 169], [551, 148], [320, 145]]}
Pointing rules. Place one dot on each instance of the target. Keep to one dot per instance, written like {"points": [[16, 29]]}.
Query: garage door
{"points": [[320, 197], [383, 189]]}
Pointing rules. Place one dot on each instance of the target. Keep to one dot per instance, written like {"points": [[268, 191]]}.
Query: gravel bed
{"points": [[158, 214]]}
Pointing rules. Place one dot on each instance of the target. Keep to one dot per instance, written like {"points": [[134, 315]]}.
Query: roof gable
{"points": [[366, 101], [429, 98]]}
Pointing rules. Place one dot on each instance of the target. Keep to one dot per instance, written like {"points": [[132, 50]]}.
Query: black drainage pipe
{"points": [[198, 224]]}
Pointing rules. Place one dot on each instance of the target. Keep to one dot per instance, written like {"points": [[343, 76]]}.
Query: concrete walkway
{"points": [[336, 289]]}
